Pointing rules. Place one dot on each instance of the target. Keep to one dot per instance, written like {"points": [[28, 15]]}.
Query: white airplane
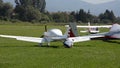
{"points": [[114, 33], [70, 37], [92, 29], [54, 35]]}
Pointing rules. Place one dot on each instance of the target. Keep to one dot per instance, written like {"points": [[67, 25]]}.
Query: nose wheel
{"points": [[67, 45]]}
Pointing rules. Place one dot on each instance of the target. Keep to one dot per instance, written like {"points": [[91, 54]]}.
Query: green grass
{"points": [[90, 54]]}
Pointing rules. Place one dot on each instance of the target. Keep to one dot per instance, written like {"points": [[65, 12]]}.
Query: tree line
{"points": [[34, 11]]}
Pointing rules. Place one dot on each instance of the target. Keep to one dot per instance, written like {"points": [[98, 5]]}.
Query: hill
{"points": [[75, 5]]}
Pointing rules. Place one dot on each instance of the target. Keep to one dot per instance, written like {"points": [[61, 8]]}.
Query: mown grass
{"points": [[90, 54]]}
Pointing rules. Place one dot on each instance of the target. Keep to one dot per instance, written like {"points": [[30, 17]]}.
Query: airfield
{"points": [[90, 54]]}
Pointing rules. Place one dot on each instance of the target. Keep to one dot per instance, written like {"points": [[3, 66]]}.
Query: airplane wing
{"points": [[99, 35], [87, 38], [101, 26], [23, 38], [78, 39], [104, 26]]}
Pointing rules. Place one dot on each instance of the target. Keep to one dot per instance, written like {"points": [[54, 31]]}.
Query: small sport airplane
{"points": [[70, 37], [92, 29], [114, 33]]}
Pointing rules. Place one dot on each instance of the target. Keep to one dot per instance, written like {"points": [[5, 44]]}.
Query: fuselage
{"points": [[54, 34], [113, 34]]}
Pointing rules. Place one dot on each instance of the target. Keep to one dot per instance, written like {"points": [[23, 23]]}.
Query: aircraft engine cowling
{"points": [[68, 43], [53, 33]]}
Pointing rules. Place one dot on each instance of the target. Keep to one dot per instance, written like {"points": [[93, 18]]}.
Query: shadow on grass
{"points": [[84, 45], [47, 46], [32, 46], [108, 40], [111, 41]]}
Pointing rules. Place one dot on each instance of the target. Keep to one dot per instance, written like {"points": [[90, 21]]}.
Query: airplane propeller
{"points": [[45, 28]]}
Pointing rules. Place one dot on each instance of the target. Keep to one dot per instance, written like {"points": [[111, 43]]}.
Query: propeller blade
{"points": [[45, 28]]}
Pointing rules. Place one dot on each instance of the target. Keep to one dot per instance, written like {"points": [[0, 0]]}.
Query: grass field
{"points": [[19, 54]]}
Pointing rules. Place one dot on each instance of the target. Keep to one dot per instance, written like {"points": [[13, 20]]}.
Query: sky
{"points": [[97, 1], [52, 7], [11, 1], [88, 1]]}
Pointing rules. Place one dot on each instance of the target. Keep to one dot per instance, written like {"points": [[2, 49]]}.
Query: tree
{"points": [[60, 17], [1, 2], [38, 4], [112, 16], [90, 17], [29, 10], [107, 16], [6, 10], [28, 13], [72, 16], [83, 16]]}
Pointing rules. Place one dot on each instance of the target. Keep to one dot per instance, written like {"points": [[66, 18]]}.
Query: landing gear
{"points": [[67, 45], [48, 44], [41, 44]]}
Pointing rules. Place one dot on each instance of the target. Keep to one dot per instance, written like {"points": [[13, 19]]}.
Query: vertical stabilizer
{"points": [[73, 31], [115, 27], [114, 31], [89, 24]]}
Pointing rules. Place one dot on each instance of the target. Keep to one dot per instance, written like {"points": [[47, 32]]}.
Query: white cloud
{"points": [[97, 1]]}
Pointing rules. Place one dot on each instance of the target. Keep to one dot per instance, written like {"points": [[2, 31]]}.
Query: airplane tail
{"points": [[71, 30], [115, 27], [89, 24], [89, 29], [114, 31]]}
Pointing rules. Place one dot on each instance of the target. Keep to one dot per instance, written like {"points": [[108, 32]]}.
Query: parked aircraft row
{"points": [[69, 37]]}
